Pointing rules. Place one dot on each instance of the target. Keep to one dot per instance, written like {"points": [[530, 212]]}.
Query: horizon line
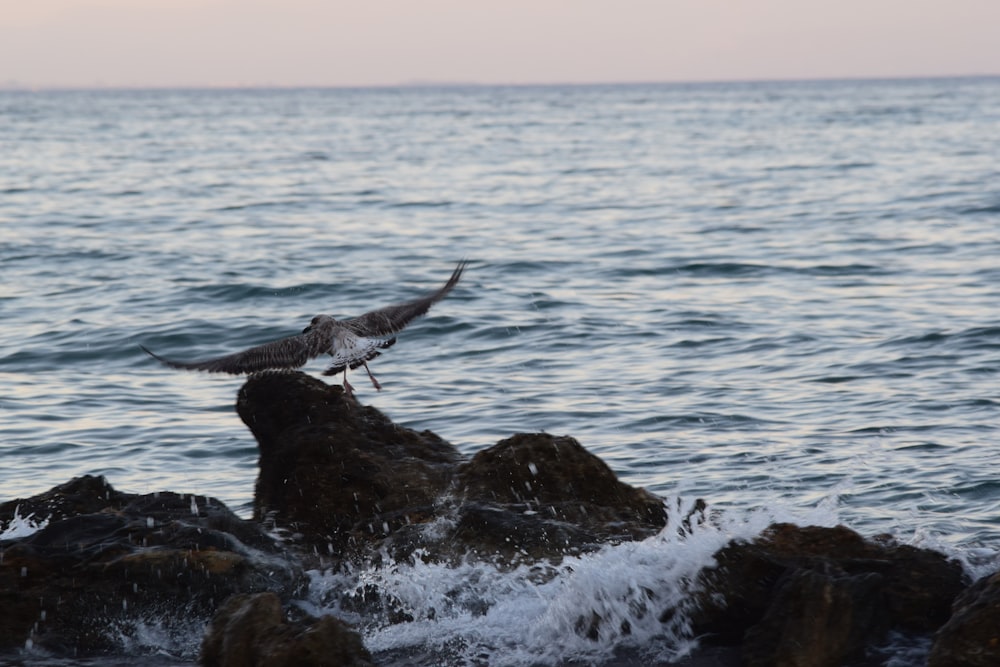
{"points": [[16, 86]]}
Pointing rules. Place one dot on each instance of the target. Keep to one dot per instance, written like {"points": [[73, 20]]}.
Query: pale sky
{"points": [[386, 42]]}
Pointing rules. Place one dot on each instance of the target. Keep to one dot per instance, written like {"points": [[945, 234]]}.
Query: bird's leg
{"points": [[348, 389], [375, 383]]}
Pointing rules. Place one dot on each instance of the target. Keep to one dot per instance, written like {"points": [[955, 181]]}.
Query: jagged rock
{"points": [[81, 495], [340, 473], [346, 478], [491, 530], [824, 589], [971, 637], [355, 486], [542, 495], [85, 580], [555, 475], [252, 631], [816, 620]]}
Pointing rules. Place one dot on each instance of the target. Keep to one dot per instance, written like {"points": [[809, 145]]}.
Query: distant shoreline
{"points": [[16, 86]]}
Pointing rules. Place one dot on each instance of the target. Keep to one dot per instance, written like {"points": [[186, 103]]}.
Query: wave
{"points": [[591, 608]]}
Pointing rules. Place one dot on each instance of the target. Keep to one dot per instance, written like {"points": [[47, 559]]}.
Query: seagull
{"points": [[352, 342]]}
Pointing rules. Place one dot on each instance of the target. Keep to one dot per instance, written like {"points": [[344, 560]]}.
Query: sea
{"points": [[780, 297]]}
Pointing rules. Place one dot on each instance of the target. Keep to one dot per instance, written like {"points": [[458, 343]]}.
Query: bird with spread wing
{"points": [[352, 342]]}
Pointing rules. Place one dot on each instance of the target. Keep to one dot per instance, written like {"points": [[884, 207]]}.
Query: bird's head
{"points": [[316, 321]]}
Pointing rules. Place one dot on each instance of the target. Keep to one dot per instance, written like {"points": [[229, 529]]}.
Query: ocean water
{"points": [[783, 298]]}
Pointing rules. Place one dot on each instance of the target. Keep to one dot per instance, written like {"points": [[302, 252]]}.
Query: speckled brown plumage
{"points": [[351, 342]]}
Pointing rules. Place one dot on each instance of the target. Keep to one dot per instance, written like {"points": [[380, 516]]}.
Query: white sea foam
{"points": [[154, 635], [22, 526], [631, 596]]}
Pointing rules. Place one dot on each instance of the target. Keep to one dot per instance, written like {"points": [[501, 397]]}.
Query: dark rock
{"points": [[355, 487], [84, 581], [542, 495], [340, 473], [348, 480], [830, 582], [492, 530], [80, 495], [971, 637], [817, 620], [557, 477], [252, 631]]}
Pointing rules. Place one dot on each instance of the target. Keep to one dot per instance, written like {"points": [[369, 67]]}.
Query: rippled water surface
{"points": [[779, 297]]}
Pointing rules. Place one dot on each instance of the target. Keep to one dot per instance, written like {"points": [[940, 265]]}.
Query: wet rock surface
{"points": [[108, 562], [348, 487], [349, 480], [338, 473], [971, 637], [254, 631], [547, 495], [819, 596]]}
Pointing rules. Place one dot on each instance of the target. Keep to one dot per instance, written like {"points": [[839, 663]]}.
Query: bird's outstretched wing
{"points": [[291, 352], [392, 319]]}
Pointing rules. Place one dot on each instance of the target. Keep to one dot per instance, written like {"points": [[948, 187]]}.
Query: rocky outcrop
{"points": [[338, 473], [349, 487], [347, 480], [253, 631], [971, 637], [817, 596], [342, 480], [535, 490], [815, 619], [108, 562]]}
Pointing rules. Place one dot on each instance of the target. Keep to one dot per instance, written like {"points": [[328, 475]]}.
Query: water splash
{"points": [[19, 526], [634, 596]]}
